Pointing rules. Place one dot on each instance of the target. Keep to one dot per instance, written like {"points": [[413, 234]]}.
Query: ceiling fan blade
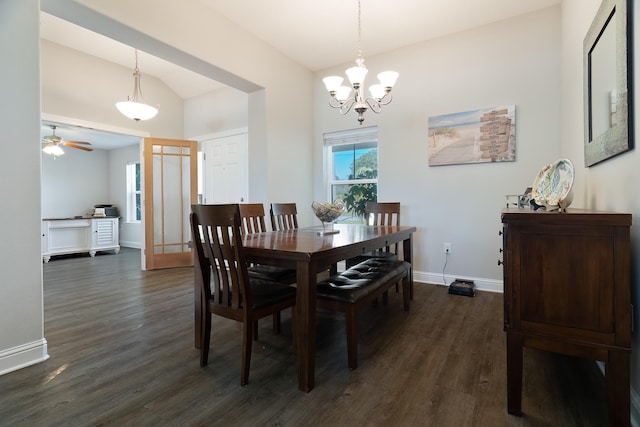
{"points": [[77, 142], [80, 147]]}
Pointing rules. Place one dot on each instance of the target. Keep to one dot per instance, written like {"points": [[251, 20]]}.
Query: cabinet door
{"points": [[105, 233], [567, 281]]}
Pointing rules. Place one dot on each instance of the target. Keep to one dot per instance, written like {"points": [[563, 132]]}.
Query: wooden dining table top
{"points": [[302, 243]]}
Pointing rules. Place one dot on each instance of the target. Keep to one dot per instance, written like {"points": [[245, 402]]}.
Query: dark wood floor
{"points": [[121, 347]]}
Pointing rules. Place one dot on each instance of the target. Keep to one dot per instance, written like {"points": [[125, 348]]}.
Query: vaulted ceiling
{"points": [[316, 34]]}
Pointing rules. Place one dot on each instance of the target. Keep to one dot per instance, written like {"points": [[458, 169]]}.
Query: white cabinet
{"points": [[74, 235], [104, 235]]}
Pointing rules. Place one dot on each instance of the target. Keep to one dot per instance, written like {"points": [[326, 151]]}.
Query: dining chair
{"points": [[252, 218], [381, 213], [226, 287], [284, 216]]}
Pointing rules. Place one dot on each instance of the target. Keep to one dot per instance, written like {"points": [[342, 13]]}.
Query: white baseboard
{"points": [[127, 244], [22, 356], [489, 285]]}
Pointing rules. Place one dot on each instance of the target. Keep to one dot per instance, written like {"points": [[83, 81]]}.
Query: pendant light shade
{"points": [[134, 107], [136, 110]]}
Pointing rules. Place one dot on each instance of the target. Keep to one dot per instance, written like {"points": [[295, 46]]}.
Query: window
{"points": [[133, 192], [352, 161]]}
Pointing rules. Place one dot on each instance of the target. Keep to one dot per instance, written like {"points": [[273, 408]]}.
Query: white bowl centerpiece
{"points": [[327, 213]]}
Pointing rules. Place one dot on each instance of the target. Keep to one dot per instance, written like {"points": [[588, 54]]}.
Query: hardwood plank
{"points": [[121, 347]]}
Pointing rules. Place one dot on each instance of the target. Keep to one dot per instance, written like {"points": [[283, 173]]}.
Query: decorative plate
{"points": [[538, 188], [553, 184], [560, 177]]}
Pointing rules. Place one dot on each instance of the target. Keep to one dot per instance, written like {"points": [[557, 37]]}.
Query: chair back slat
{"points": [[383, 213], [284, 216], [218, 242], [252, 217]]}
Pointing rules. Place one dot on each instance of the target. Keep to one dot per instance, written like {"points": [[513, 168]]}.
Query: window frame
{"points": [[352, 137], [134, 195]]}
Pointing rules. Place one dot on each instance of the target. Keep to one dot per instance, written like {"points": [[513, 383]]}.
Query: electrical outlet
{"points": [[447, 247]]}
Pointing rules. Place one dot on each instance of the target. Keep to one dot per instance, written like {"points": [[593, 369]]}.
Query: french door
{"points": [[170, 188]]}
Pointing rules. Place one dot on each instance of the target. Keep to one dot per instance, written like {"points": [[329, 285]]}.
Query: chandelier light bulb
{"points": [[332, 83], [388, 78], [377, 91], [343, 92], [356, 75]]}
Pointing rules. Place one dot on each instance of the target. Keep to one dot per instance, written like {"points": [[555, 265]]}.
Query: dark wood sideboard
{"points": [[567, 290]]}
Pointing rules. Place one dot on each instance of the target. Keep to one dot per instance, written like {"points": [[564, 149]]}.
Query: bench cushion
{"points": [[362, 279]]}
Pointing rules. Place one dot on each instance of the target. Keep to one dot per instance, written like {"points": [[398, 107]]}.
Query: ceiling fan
{"points": [[52, 144]]}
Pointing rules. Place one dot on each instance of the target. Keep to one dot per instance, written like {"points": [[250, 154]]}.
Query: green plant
{"points": [[357, 197]]}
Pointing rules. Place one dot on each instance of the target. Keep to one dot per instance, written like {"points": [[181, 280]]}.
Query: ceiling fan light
{"points": [[53, 149], [136, 110]]}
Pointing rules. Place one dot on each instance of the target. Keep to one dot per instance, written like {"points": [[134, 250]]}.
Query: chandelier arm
{"points": [[334, 103], [386, 99], [347, 105], [374, 105]]}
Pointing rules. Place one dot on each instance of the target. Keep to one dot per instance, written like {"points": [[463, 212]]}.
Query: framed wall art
{"points": [[478, 136]]}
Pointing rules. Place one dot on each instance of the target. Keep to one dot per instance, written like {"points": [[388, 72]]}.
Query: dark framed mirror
{"points": [[608, 94]]}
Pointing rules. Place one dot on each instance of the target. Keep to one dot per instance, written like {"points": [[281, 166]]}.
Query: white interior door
{"points": [[226, 169]]}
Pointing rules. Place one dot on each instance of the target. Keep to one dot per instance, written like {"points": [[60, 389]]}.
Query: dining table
{"points": [[309, 251]]}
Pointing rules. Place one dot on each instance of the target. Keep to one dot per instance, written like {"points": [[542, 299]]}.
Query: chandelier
{"points": [[341, 97], [134, 107]]}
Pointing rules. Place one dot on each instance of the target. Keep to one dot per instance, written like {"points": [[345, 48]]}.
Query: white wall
{"points": [[611, 184], [74, 183], [221, 110], [21, 311], [511, 62]]}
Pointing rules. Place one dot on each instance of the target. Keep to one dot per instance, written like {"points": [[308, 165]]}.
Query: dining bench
{"points": [[351, 290]]}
